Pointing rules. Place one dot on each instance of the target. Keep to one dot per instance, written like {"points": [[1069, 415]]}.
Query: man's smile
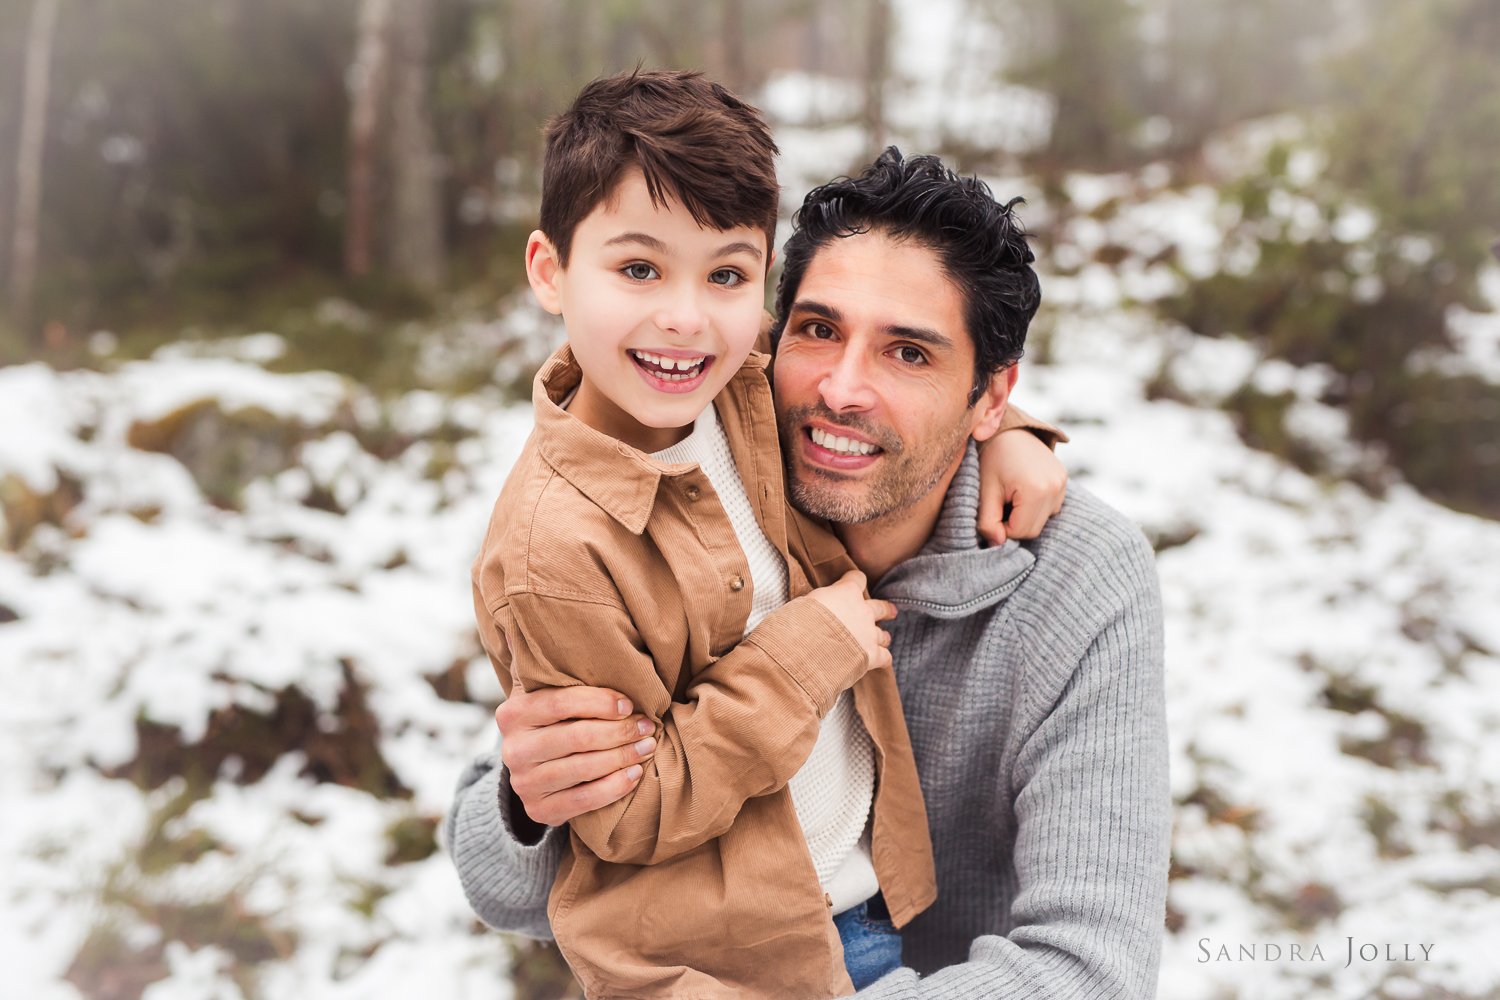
{"points": [[832, 446]]}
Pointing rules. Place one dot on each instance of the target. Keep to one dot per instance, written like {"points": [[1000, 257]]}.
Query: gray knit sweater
{"points": [[1031, 676]]}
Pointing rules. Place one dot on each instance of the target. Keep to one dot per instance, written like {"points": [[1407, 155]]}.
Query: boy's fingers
{"points": [[853, 578], [884, 610], [991, 523]]}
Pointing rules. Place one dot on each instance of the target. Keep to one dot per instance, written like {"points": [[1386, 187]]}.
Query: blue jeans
{"points": [[872, 945]]}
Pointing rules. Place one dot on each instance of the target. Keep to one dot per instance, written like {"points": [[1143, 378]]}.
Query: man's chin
{"points": [[814, 493]]}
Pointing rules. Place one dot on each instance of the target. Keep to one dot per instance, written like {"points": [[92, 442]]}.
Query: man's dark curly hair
{"points": [[980, 242]]}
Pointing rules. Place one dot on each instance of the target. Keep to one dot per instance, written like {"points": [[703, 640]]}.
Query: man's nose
{"points": [[846, 385], [681, 312]]}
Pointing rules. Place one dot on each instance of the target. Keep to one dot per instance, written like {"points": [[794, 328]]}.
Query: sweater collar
{"points": [[953, 575]]}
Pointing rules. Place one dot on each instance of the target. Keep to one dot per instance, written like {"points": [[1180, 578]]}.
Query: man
{"points": [[1031, 676]]}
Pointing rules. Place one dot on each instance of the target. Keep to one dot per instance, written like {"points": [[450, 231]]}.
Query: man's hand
{"points": [[571, 750], [859, 614], [1017, 469]]}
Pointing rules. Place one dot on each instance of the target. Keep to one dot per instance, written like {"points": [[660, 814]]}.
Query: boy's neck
{"points": [[600, 412]]}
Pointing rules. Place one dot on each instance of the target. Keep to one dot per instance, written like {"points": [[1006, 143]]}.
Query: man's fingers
{"points": [[546, 706], [556, 776], [584, 736], [560, 807]]}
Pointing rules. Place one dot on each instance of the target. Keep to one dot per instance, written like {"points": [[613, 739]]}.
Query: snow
{"points": [[1283, 593]]}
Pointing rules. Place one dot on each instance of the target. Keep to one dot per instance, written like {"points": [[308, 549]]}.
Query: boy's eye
{"points": [[911, 355], [726, 276], [638, 271]]}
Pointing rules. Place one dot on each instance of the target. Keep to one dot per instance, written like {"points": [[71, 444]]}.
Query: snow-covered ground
{"points": [[1332, 681]]}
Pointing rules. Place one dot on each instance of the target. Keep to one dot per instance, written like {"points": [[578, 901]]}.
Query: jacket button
{"points": [[828, 899], [737, 584], [693, 492]]}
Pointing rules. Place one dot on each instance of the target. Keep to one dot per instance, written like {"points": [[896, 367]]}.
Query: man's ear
{"points": [[991, 406], [543, 271]]}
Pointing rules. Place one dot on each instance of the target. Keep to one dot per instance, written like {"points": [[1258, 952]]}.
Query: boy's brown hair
{"points": [[691, 138]]}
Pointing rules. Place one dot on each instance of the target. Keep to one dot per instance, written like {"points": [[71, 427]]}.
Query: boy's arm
{"points": [[746, 724]]}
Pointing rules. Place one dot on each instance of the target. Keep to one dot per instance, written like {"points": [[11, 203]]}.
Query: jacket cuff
{"points": [[1016, 418], [808, 641]]}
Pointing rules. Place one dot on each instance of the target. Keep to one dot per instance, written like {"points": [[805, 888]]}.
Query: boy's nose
{"points": [[681, 314]]}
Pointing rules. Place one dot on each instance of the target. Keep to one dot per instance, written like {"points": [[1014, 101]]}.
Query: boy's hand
{"points": [[859, 614], [1016, 468], [571, 750]]}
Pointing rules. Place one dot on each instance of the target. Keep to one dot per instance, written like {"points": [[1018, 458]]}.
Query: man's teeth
{"points": [[843, 445], [688, 365]]}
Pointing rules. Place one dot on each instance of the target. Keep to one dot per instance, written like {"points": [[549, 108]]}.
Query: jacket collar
{"points": [[621, 480], [952, 576]]}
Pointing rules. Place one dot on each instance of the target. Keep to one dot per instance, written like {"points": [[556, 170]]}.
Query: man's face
{"points": [[660, 311], [873, 373]]}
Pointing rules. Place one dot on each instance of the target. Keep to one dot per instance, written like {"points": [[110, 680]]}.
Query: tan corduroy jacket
{"points": [[602, 566]]}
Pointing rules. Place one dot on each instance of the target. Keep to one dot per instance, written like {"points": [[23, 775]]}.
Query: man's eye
{"points": [[911, 355], [726, 276], [818, 331], [639, 271]]}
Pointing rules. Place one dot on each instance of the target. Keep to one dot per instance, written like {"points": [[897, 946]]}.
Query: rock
{"points": [[224, 451]]}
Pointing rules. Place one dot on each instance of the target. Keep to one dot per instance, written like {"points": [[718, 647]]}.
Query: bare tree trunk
{"points": [[877, 69], [29, 157], [415, 238], [367, 79]]}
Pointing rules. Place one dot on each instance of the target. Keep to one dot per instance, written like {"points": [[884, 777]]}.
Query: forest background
{"points": [[1292, 207]]}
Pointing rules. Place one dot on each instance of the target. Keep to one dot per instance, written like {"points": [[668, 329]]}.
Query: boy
{"points": [[643, 542]]}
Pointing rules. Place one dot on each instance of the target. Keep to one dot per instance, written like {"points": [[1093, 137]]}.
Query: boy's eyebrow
{"points": [[920, 334], [740, 247], [637, 239], [657, 246]]}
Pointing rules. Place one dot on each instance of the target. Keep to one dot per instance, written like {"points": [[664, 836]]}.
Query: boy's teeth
{"points": [[847, 446], [670, 364]]}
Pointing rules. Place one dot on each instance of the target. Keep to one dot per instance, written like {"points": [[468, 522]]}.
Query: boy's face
{"points": [[660, 312]]}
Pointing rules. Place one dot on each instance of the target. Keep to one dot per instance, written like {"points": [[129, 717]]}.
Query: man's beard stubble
{"points": [[904, 475]]}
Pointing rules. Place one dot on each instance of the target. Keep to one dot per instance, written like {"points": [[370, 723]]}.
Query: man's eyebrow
{"points": [[817, 309], [920, 334]]}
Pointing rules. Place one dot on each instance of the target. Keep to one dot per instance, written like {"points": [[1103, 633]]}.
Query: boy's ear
{"points": [[990, 409], [543, 271]]}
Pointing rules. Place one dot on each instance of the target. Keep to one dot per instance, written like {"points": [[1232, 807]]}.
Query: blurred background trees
{"points": [[220, 162]]}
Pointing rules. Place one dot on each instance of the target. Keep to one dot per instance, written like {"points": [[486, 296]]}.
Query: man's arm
{"points": [[1093, 814], [505, 878]]}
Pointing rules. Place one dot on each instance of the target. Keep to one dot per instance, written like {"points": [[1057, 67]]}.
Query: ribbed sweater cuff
{"points": [[501, 873]]}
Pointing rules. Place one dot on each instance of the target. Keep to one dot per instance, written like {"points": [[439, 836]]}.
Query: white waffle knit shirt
{"points": [[835, 788]]}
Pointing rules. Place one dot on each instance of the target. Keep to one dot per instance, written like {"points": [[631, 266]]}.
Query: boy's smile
{"points": [[661, 312]]}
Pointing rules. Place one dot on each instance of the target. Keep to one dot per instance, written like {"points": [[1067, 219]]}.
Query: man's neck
{"points": [[879, 545]]}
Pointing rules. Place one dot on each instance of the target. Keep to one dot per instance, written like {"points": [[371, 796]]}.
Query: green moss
{"points": [[411, 838]]}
